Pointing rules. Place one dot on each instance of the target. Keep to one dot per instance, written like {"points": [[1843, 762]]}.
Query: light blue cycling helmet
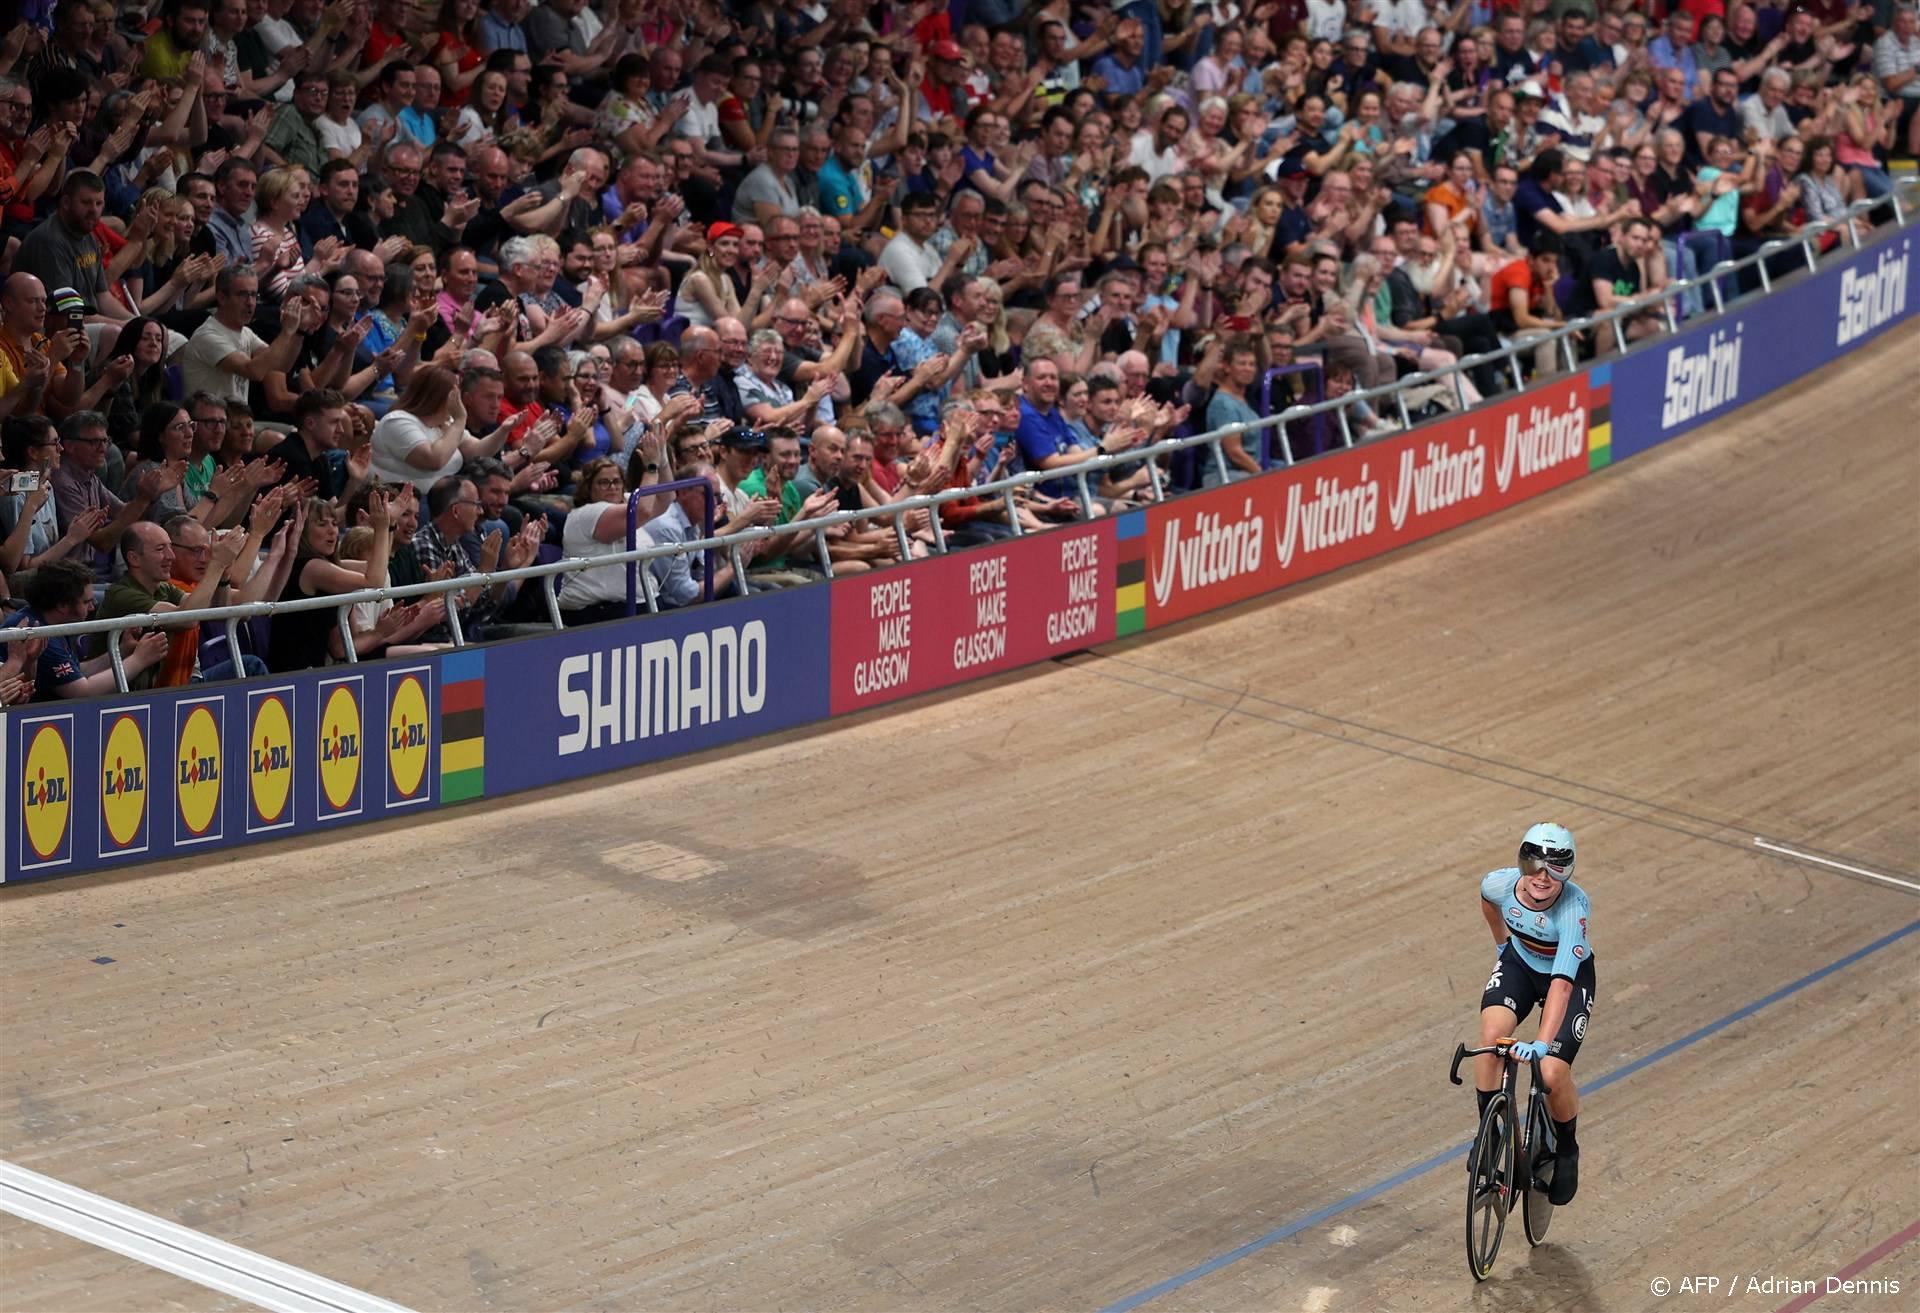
{"points": [[1548, 845]]}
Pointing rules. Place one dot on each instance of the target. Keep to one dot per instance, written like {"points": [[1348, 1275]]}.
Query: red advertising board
{"points": [[936, 622], [1246, 538]]}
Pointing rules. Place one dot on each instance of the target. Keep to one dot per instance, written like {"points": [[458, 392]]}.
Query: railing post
{"points": [[453, 620], [1620, 334], [820, 548], [1086, 498], [1154, 480], [1719, 301], [119, 666], [233, 646], [1459, 388], [553, 602], [1013, 512], [1813, 261], [345, 625], [1400, 404], [706, 531], [1219, 462], [900, 535], [939, 530], [1280, 431], [1567, 353], [739, 569], [648, 588], [1346, 426]]}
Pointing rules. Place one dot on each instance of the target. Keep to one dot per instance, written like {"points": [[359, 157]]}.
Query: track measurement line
{"points": [[215, 1264], [1798, 856], [1458, 1151]]}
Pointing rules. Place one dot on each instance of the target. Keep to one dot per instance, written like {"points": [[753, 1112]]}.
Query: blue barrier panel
{"points": [[636, 691], [1680, 383], [176, 772]]}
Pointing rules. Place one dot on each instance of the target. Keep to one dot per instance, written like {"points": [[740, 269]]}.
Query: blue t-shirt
{"points": [[1551, 940], [1529, 198], [840, 193], [1042, 434], [59, 660]]}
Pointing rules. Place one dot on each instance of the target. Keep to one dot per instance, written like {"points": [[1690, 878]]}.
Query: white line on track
{"points": [[1797, 856], [213, 1263]]}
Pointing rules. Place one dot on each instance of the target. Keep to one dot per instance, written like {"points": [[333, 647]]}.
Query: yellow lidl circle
{"points": [[270, 759], [198, 759], [340, 746], [407, 736], [123, 780], [47, 775]]}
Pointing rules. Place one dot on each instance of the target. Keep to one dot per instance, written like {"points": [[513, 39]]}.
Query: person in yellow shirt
{"points": [[169, 49]]}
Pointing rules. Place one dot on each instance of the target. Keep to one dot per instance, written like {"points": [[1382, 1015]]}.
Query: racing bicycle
{"points": [[1494, 1177]]}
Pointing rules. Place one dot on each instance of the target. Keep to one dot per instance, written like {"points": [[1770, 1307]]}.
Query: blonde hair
{"points": [[275, 184]]}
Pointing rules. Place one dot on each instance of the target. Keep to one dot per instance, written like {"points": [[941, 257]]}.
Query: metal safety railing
{"points": [[642, 591]]}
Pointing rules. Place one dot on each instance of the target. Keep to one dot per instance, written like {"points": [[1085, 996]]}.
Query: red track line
{"points": [[1859, 1264]]}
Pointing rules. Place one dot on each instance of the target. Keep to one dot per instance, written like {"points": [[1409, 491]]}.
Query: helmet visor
{"points": [[1556, 862]]}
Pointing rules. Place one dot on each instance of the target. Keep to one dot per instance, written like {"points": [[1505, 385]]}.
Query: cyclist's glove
{"points": [[1529, 1051]]}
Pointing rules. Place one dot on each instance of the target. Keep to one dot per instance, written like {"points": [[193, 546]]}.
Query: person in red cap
{"points": [[943, 91], [707, 295]]}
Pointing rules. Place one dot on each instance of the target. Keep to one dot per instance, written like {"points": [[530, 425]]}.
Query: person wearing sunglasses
{"points": [[1539, 920]]}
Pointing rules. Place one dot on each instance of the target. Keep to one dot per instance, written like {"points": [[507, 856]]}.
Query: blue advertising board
{"points": [[618, 695], [173, 772], [1730, 360]]}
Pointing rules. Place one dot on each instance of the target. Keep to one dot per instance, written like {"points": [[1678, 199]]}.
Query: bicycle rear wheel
{"points": [[1536, 1210], [1491, 1165]]}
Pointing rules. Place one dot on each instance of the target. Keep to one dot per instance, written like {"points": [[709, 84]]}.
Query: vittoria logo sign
{"points": [[1211, 550]]}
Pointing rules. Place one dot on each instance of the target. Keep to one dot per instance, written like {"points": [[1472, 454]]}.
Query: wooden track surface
{"points": [[1041, 993]]}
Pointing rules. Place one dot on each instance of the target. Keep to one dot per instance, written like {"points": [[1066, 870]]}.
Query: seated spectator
{"points": [[598, 527], [454, 507], [300, 640], [320, 429], [131, 388], [388, 628], [225, 357], [79, 487], [148, 588], [30, 532], [33, 364], [424, 438], [61, 593]]}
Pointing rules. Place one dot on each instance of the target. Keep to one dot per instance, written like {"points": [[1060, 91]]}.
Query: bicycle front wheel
{"points": [[1490, 1179], [1536, 1210]]}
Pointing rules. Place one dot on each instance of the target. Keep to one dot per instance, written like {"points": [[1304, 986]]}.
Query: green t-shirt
{"points": [[128, 598], [755, 485]]}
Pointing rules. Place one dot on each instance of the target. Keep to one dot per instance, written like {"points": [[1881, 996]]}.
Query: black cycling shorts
{"points": [[1517, 986]]}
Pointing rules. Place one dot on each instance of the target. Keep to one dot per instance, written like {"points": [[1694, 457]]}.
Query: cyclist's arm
{"points": [[1495, 922], [1554, 1010]]}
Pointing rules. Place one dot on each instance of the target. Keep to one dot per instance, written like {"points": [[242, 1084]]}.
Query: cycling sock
{"points": [[1563, 1133], [1485, 1097]]}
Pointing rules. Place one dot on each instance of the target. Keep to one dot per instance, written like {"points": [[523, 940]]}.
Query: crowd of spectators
{"points": [[306, 296]]}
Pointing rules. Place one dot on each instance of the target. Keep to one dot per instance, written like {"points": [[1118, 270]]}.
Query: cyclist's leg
{"points": [[1563, 1096], [1505, 1002]]}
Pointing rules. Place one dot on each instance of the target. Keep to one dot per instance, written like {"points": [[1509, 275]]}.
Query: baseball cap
{"points": [[947, 50], [1292, 166], [715, 231], [749, 439]]}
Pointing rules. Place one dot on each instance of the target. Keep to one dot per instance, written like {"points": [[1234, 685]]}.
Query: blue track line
{"points": [[1353, 1201]]}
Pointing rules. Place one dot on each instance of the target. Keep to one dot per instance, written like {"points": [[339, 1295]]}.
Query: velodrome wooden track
{"points": [[1051, 993]]}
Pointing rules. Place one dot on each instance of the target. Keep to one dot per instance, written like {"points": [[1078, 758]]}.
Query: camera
{"points": [[26, 480]]}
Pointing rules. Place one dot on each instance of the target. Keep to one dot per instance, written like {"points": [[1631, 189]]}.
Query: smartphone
{"points": [[26, 480]]}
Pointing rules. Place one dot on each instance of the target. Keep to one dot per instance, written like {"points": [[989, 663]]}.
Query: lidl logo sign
{"points": [[46, 793], [123, 781], [269, 762], [409, 738], [198, 770], [340, 752]]}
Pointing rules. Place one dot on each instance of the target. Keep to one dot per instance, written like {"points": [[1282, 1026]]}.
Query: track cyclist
{"points": [[1539, 919]]}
